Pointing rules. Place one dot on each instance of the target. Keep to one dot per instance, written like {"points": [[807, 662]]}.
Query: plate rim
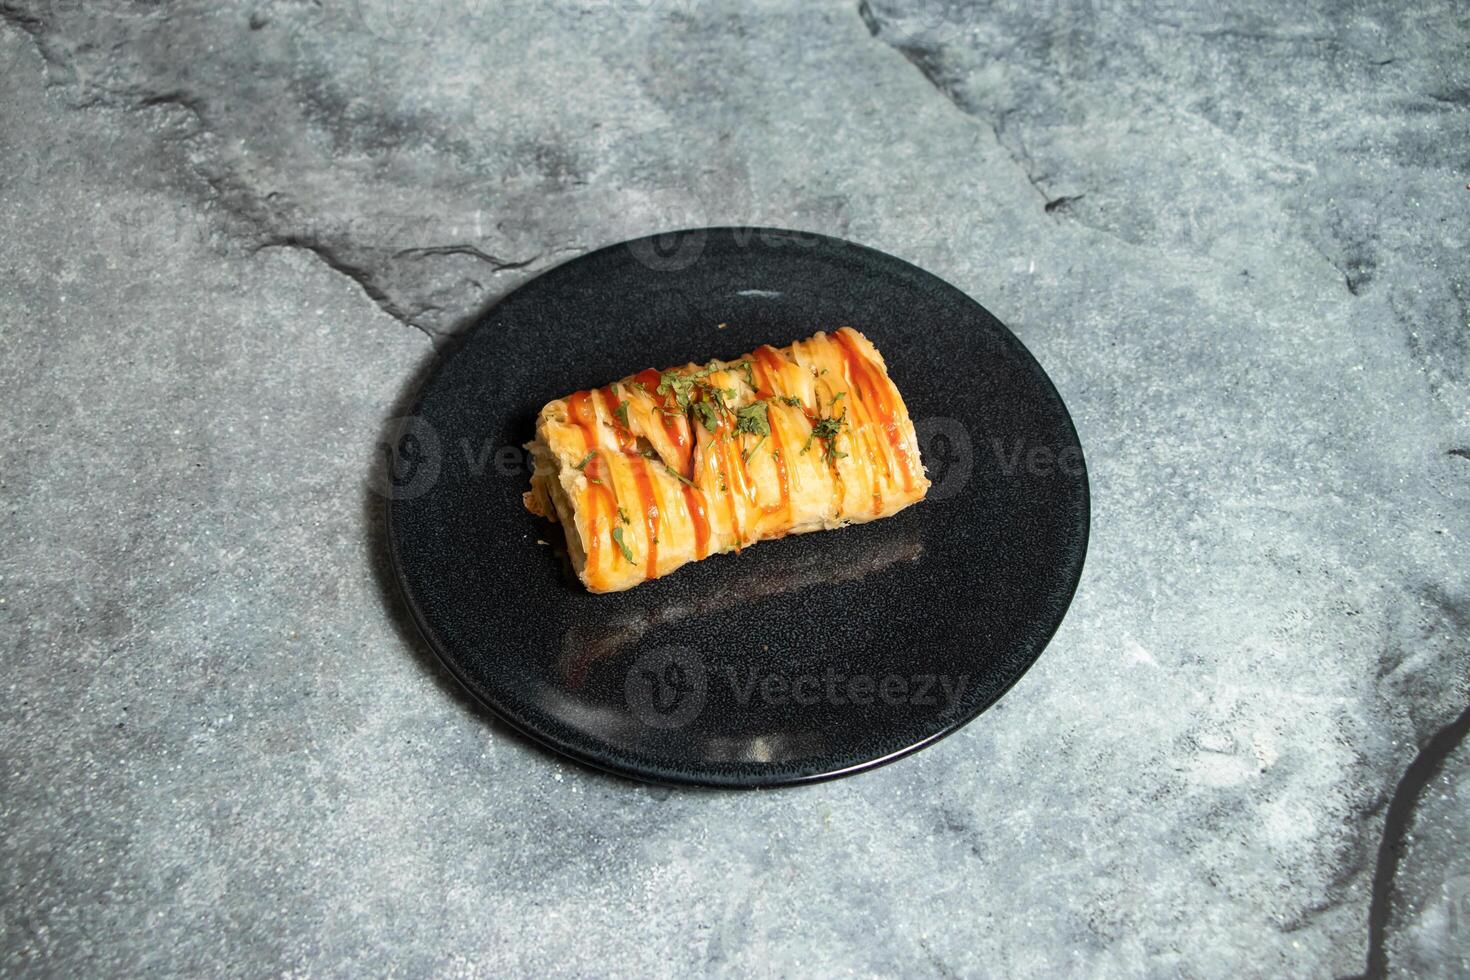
{"points": [[710, 780]]}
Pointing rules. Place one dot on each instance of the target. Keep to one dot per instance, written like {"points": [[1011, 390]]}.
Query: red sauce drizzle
{"points": [[871, 450], [676, 426], [862, 435], [737, 458], [876, 394], [718, 446], [651, 514], [769, 362], [765, 372], [778, 453], [579, 407], [864, 402], [627, 442], [698, 518]]}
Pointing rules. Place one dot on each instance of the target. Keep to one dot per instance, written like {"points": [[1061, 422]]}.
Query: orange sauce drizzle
{"points": [[861, 435], [769, 361], [764, 372], [627, 442], [778, 453], [877, 394], [579, 407], [737, 460], [695, 500], [722, 461], [652, 518], [676, 426], [862, 412]]}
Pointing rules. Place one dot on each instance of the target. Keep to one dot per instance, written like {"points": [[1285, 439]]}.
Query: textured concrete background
{"points": [[1235, 234]]}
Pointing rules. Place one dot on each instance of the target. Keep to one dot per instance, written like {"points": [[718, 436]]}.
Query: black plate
{"points": [[810, 657]]}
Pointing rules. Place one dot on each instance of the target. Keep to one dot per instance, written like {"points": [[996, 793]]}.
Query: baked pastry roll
{"points": [[668, 467]]}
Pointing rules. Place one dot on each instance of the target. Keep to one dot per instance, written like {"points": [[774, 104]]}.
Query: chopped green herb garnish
{"points": [[639, 385], [674, 383], [681, 386], [749, 369], [791, 400], [618, 537], [693, 392], [753, 419], [707, 415], [622, 413], [745, 456], [677, 475], [585, 460], [838, 397], [826, 430], [622, 516]]}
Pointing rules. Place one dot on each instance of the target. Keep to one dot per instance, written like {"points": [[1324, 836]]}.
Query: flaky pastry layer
{"points": [[667, 467]]}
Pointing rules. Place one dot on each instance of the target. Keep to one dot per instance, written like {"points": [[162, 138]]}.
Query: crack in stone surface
{"points": [[356, 273], [926, 61], [219, 183], [1421, 771], [1057, 203], [434, 298], [498, 264], [1042, 82]]}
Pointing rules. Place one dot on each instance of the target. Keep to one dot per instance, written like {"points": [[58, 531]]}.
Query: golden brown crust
{"points": [[663, 468]]}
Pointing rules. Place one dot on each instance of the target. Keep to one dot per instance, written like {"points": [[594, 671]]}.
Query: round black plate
{"points": [[810, 657]]}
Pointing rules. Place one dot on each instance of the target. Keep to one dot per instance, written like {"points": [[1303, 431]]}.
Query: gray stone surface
{"points": [[1234, 236]]}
